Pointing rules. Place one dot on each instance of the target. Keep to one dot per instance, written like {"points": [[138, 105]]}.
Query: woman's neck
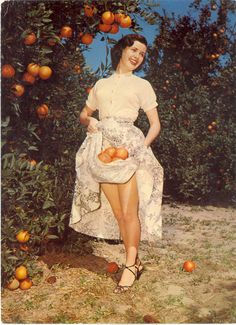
{"points": [[122, 70]]}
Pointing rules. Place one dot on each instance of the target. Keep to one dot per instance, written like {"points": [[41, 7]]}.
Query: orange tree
{"points": [[45, 82], [192, 68]]}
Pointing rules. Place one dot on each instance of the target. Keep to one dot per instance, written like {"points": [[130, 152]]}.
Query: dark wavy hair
{"points": [[126, 41]]}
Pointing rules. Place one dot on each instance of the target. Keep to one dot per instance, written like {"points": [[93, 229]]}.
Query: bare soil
{"points": [[75, 288]]}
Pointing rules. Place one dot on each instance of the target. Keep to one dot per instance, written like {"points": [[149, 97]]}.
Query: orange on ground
{"points": [[125, 21], [13, 284], [108, 17], [8, 71], [87, 39], [104, 28], [21, 272], [30, 39], [112, 267], [26, 284], [42, 111], [23, 236], [45, 72], [33, 69], [122, 153], [104, 157], [18, 90], [27, 77], [189, 266], [114, 29], [66, 32]]}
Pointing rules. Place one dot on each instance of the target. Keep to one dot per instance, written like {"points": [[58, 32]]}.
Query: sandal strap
{"points": [[128, 268]]}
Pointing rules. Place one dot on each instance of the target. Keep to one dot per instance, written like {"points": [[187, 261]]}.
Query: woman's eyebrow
{"points": [[140, 50]]}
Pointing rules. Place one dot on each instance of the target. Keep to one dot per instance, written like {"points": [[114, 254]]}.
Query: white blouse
{"points": [[121, 95]]}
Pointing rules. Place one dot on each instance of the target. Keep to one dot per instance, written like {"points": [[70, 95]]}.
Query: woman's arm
{"points": [[155, 126], [86, 119]]}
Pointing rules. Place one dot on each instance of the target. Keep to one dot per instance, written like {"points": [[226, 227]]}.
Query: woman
{"points": [[131, 188]]}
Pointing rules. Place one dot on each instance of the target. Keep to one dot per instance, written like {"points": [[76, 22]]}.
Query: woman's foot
{"points": [[128, 277]]}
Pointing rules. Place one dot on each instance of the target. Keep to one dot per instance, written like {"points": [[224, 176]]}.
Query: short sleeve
{"points": [[148, 99], [91, 101]]}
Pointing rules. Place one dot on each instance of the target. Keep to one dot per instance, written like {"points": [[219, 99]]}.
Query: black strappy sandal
{"points": [[120, 288]]}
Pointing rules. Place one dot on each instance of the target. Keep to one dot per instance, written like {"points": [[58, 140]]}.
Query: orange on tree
{"points": [[13, 284], [114, 29], [66, 32], [33, 69], [45, 72], [77, 68], [21, 272], [88, 90], [42, 111], [27, 77], [117, 17], [104, 27], [8, 71], [30, 39], [108, 17], [32, 162], [89, 11], [26, 284], [24, 248], [189, 266], [18, 90], [51, 42], [87, 39], [23, 236], [122, 153], [125, 21]]}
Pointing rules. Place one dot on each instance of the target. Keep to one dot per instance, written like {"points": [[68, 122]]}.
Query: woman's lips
{"points": [[133, 62]]}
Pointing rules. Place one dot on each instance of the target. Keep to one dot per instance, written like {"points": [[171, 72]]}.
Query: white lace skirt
{"points": [[91, 213]]}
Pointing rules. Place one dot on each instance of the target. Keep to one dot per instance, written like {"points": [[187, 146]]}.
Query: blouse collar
{"points": [[127, 74]]}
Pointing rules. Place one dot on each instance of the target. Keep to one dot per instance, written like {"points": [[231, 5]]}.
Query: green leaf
{"points": [[48, 204]]}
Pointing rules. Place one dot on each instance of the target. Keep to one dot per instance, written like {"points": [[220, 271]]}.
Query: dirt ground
{"points": [[75, 288]]}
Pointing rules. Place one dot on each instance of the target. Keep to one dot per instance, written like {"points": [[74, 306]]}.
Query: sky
{"points": [[96, 52]]}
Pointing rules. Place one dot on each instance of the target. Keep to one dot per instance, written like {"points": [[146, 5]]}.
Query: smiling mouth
{"points": [[133, 62]]}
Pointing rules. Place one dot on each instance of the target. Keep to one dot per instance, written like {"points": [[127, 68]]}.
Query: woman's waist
{"points": [[116, 119]]}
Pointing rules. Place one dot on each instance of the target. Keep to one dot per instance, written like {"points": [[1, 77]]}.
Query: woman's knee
{"points": [[129, 216], [118, 213]]}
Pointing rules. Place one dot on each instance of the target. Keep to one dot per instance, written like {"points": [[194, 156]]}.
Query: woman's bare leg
{"points": [[112, 194], [123, 199], [128, 193]]}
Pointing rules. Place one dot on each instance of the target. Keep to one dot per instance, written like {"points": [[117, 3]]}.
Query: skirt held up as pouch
{"points": [[91, 212]]}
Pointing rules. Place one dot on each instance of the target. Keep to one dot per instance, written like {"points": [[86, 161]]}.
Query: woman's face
{"points": [[132, 56]]}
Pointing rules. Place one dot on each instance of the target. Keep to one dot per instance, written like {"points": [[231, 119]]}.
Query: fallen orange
{"points": [[189, 266], [112, 267]]}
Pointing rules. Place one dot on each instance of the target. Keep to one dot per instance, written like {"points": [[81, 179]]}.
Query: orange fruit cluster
{"points": [[21, 279], [112, 153]]}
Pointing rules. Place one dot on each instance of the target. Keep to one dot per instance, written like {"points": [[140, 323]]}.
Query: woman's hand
{"points": [[92, 124]]}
